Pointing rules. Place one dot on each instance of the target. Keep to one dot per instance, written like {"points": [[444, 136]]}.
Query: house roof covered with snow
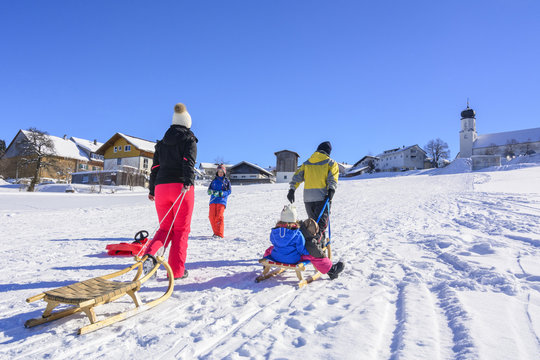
{"points": [[345, 166], [206, 165], [140, 144], [89, 145], [503, 138], [357, 170], [63, 147], [367, 157], [263, 170], [398, 150]]}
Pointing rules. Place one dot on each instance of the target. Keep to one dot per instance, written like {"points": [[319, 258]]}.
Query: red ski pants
{"points": [[322, 265], [216, 218], [165, 196]]}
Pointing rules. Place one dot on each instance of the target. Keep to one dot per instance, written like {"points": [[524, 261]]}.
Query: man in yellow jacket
{"points": [[320, 176]]}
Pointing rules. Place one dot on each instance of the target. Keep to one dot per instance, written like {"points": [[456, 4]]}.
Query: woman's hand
{"points": [[150, 197]]}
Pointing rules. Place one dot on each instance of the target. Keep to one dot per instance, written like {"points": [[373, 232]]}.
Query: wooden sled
{"points": [[86, 295], [272, 268]]}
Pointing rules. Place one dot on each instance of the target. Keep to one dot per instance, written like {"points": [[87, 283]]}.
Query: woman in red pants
{"points": [[219, 190], [171, 187]]}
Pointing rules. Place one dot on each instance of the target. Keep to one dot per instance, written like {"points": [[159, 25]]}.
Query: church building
{"points": [[487, 150]]}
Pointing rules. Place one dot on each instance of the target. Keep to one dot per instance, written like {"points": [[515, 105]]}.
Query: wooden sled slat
{"points": [[86, 295], [279, 268]]}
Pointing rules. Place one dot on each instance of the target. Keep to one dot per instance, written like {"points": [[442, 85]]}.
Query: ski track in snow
{"points": [[430, 263]]}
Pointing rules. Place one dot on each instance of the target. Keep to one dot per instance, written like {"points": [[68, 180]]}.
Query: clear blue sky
{"points": [[262, 76]]}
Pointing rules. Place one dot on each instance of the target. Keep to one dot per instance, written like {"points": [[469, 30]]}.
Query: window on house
{"points": [[145, 163], [115, 149], [127, 148], [119, 161], [284, 177]]}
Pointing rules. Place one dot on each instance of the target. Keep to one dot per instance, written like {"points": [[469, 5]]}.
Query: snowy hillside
{"points": [[437, 267]]}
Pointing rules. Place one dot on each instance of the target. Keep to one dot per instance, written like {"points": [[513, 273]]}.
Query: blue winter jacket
{"points": [[289, 245], [220, 184]]}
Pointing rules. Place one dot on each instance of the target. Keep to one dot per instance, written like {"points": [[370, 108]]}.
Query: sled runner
{"points": [[298, 268], [86, 295], [129, 249]]}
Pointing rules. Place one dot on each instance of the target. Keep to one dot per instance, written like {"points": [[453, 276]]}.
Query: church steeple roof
{"points": [[468, 112]]}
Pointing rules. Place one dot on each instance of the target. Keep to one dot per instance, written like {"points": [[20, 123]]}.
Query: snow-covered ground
{"points": [[437, 267]]}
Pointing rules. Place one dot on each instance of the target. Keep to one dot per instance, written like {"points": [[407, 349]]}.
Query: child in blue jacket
{"points": [[289, 244], [219, 190]]}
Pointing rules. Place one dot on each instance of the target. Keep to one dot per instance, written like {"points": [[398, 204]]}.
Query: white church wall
{"points": [[485, 161]]}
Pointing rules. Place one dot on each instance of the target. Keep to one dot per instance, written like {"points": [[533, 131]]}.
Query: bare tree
{"points": [[101, 176], [2, 147], [437, 150], [491, 149], [220, 160], [371, 166], [36, 150]]}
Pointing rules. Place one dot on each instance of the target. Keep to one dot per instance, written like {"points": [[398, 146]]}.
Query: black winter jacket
{"points": [[174, 159]]}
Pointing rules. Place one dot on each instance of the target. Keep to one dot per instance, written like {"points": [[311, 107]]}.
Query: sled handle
{"points": [[322, 211], [35, 298]]}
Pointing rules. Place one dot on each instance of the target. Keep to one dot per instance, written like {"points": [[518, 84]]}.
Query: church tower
{"points": [[467, 135]]}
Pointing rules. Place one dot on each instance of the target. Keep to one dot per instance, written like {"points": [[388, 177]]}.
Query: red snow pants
{"points": [[322, 265], [165, 195], [216, 218]]}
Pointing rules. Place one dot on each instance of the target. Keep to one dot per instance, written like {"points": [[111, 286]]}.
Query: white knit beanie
{"points": [[181, 116], [289, 214]]}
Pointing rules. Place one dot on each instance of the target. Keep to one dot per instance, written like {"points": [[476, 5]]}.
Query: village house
{"points": [[127, 161], [344, 168], [362, 166], [208, 170], [487, 149], [89, 148], [400, 159], [127, 152], [245, 173], [68, 156], [286, 165]]}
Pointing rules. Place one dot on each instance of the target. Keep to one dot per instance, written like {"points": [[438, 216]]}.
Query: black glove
{"points": [[330, 195], [290, 195]]}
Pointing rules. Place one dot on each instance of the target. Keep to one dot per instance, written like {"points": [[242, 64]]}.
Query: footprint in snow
{"points": [[325, 326], [295, 324], [482, 249], [332, 301], [299, 342]]}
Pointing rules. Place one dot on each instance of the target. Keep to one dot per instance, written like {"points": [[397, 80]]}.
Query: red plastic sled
{"points": [[129, 249]]}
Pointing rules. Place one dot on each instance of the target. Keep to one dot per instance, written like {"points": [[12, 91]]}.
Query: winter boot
{"points": [[149, 264], [183, 276], [335, 270]]}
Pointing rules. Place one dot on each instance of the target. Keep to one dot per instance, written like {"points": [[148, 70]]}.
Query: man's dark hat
{"points": [[325, 147]]}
